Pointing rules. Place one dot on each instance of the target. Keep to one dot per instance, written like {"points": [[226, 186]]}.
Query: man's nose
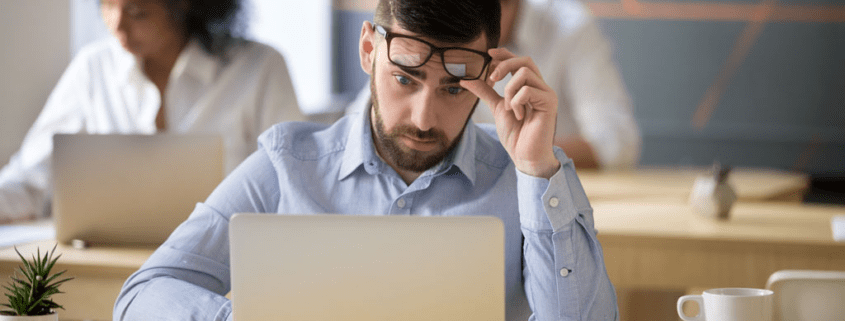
{"points": [[423, 114]]}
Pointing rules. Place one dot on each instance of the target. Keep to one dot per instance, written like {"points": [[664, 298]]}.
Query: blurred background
{"points": [[749, 83]]}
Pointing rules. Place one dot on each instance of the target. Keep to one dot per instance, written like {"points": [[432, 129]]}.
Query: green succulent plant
{"points": [[30, 294]]}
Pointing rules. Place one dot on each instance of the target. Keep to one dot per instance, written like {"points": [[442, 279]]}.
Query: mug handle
{"points": [[696, 298]]}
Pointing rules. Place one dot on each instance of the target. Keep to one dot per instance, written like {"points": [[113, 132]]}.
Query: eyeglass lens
{"points": [[412, 53]]}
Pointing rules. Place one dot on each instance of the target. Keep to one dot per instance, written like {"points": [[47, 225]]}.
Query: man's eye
{"points": [[403, 80], [455, 90]]}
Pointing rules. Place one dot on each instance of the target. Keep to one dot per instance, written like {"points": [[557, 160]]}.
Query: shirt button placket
{"points": [[564, 272]]}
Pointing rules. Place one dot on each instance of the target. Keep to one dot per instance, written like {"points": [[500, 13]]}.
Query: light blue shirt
{"points": [[553, 262]]}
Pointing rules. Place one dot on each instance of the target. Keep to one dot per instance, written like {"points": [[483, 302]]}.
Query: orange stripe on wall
{"points": [[635, 10], [714, 94]]}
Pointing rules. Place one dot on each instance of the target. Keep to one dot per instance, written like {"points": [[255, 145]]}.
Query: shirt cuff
{"points": [[546, 204]]}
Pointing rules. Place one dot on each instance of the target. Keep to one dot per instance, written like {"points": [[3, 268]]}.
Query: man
{"points": [[415, 152]]}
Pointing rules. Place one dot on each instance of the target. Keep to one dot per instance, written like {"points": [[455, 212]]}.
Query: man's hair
{"points": [[216, 24], [447, 21]]}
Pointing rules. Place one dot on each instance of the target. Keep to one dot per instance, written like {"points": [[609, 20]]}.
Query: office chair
{"points": [[804, 295]]}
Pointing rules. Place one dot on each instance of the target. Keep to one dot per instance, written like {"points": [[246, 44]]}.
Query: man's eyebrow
{"points": [[449, 80], [416, 73]]}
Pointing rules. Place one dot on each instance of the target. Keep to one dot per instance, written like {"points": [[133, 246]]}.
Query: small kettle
{"points": [[712, 196]]}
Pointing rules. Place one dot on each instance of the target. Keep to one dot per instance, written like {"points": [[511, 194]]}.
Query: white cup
{"points": [[730, 304]]}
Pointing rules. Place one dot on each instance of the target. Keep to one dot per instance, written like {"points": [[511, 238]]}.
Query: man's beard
{"points": [[400, 155]]}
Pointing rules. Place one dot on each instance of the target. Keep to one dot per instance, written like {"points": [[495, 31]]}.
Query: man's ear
{"points": [[367, 47]]}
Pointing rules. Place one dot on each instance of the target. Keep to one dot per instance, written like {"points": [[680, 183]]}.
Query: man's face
{"points": [[418, 114]]}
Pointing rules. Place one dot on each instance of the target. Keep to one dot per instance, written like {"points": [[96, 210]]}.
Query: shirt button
{"points": [[554, 202], [564, 272], [401, 203]]}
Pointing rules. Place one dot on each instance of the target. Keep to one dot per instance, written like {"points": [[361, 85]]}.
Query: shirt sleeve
{"points": [[187, 277], [564, 272], [25, 181], [600, 102]]}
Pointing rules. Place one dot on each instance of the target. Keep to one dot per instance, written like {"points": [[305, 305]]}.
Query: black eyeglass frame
{"points": [[389, 36]]}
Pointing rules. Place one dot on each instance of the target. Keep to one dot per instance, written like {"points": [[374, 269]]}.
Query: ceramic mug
{"points": [[730, 304]]}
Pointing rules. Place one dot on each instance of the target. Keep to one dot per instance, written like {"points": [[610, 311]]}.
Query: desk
{"points": [[665, 245], [661, 246], [750, 184], [98, 275]]}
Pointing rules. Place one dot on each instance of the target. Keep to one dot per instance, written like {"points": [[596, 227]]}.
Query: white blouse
{"points": [[104, 90]]}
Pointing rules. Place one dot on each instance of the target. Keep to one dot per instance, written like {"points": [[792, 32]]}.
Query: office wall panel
{"points": [[35, 39]]}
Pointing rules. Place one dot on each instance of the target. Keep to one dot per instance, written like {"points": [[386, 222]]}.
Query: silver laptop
{"points": [[130, 189], [340, 267]]}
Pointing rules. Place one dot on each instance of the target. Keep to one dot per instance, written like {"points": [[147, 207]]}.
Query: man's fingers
{"points": [[482, 90], [524, 77], [500, 53], [527, 95], [506, 62]]}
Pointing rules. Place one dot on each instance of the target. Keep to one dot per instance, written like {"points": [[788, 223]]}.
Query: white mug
{"points": [[730, 304]]}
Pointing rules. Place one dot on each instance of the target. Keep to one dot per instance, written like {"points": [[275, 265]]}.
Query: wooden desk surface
{"points": [[112, 258], [662, 244], [98, 273], [750, 184], [784, 222]]}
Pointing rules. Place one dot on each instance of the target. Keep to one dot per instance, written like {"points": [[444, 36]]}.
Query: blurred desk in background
{"points": [[98, 274], [664, 245], [750, 184], [656, 250]]}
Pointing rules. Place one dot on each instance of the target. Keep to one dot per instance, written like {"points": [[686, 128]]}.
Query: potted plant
{"points": [[29, 295]]}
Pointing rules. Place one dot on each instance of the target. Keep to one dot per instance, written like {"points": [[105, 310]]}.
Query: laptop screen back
{"points": [[130, 189], [340, 267]]}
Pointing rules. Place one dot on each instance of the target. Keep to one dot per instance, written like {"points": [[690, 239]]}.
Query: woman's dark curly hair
{"points": [[216, 24]]}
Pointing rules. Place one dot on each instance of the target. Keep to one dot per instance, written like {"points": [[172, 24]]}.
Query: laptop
{"points": [[342, 267], [130, 189]]}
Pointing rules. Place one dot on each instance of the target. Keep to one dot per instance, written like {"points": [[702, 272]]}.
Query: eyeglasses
{"points": [[412, 52]]}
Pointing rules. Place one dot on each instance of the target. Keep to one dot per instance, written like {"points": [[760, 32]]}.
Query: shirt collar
{"points": [[360, 150], [195, 62], [464, 153]]}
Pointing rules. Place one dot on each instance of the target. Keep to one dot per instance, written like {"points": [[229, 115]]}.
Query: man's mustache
{"points": [[419, 134]]}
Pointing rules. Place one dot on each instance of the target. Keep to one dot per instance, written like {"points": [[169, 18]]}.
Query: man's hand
{"points": [[526, 116]]}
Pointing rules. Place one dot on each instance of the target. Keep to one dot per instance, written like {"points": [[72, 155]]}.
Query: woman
{"points": [[173, 66]]}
